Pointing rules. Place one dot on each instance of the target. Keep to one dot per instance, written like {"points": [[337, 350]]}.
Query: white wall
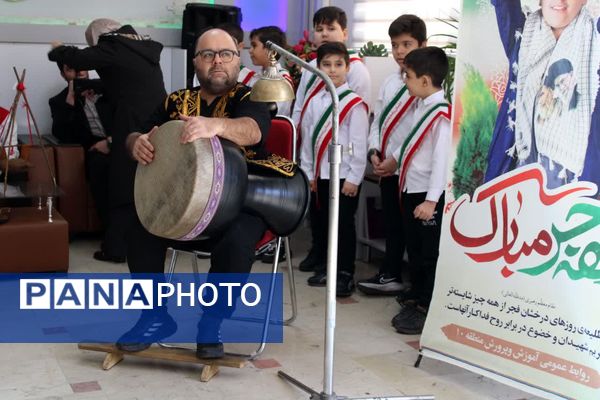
{"points": [[141, 13]]}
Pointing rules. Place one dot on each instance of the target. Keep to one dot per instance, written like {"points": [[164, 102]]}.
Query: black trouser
{"points": [[115, 220], [232, 251], [316, 234], [394, 231], [346, 225], [422, 243]]}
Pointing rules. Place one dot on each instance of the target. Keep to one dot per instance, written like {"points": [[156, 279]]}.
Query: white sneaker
{"points": [[381, 284]]}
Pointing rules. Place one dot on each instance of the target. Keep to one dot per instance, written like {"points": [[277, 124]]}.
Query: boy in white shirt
{"points": [[333, 59], [260, 56], [330, 25], [393, 120], [422, 167]]}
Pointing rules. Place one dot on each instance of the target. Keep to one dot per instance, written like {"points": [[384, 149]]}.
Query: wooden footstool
{"points": [[210, 367]]}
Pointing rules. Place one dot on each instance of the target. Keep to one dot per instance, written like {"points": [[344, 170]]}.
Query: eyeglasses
{"points": [[209, 55]]}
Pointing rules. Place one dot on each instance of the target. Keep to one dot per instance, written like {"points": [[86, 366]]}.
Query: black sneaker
{"points": [[210, 350], [318, 279], [405, 311], [311, 262], [209, 343], [411, 323], [381, 284], [100, 255], [407, 296], [269, 256], [345, 285], [150, 328]]}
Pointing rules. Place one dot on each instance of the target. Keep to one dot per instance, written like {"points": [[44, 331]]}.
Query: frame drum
{"points": [[179, 194]]}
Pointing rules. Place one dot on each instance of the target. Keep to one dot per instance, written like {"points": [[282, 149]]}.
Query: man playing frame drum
{"points": [[221, 108]]}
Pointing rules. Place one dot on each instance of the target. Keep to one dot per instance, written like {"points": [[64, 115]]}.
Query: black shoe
{"points": [[345, 285], [407, 296], [150, 328], [311, 262], [405, 311], [381, 284], [318, 279], [208, 339], [210, 350], [269, 256], [411, 323], [100, 255]]}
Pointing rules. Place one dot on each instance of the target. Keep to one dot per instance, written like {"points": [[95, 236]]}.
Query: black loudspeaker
{"points": [[196, 18]]}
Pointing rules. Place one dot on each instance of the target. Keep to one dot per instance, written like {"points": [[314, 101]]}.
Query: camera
{"points": [[79, 85]]}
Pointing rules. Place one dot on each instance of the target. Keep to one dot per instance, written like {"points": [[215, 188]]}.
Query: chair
{"points": [[281, 141]]}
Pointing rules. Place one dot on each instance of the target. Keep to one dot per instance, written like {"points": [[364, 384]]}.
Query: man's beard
{"points": [[217, 86]]}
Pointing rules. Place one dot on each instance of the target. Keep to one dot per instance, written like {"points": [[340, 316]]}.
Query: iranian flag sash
{"points": [[415, 138], [286, 75], [321, 135], [246, 74], [313, 87], [354, 56], [391, 115]]}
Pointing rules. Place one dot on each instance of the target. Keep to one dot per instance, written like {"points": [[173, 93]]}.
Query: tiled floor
{"points": [[371, 359]]}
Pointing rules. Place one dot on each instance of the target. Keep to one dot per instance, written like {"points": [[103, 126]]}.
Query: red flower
{"points": [[305, 50]]}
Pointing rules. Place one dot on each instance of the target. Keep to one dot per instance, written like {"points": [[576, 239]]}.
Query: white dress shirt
{"points": [[428, 170], [390, 87], [353, 130], [358, 79]]}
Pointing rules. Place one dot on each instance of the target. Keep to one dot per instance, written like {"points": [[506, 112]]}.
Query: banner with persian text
{"points": [[518, 281]]}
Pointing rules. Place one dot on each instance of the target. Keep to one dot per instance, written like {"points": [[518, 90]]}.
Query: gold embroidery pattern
{"points": [[187, 102], [276, 163], [184, 102], [219, 110]]}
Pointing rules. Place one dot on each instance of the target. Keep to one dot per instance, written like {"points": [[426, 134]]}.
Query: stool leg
{"points": [[291, 283], [172, 264], [208, 372], [195, 263], [265, 331], [111, 360]]}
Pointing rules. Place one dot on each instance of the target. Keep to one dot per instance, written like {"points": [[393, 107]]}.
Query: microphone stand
{"points": [[335, 158]]}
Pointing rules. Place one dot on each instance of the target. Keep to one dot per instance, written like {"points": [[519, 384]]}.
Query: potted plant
{"points": [[379, 64]]}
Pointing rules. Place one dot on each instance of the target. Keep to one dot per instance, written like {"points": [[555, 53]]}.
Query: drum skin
{"points": [[189, 187]]}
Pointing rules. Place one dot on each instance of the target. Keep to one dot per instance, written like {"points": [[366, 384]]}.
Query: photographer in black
{"points": [[81, 114]]}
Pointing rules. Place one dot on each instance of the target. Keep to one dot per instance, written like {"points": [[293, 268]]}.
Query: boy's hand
{"points": [[425, 210], [313, 186], [375, 160], [349, 189], [386, 168]]}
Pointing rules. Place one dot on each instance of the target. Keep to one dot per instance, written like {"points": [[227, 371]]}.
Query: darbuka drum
{"points": [[200, 187]]}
